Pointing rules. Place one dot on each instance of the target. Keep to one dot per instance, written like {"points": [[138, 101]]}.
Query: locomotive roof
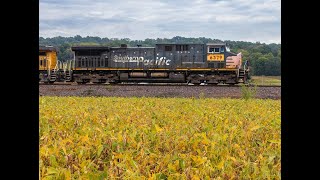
{"points": [[90, 48], [217, 44], [133, 47], [47, 48], [179, 44]]}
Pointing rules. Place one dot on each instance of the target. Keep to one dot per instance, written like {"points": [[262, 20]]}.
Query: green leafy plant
{"points": [[248, 92]]}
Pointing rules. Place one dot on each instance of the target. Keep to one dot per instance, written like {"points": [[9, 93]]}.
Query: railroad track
{"points": [[149, 84]]}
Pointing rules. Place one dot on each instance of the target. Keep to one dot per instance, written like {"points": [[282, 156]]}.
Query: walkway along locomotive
{"points": [[171, 63]]}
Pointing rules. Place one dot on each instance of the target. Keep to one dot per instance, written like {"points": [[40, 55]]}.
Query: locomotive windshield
{"points": [[214, 50], [42, 53]]}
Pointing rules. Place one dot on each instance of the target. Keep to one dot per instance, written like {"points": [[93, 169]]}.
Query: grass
{"points": [[266, 80], [159, 138]]}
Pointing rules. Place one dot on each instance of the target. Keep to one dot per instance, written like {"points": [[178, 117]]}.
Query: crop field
{"points": [[159, 138]]}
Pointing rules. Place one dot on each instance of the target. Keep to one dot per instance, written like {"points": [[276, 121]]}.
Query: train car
{"points": [[47, 63], [180, 63]]}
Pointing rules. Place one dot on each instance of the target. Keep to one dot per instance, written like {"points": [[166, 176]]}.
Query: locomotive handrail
{"points": [[74, 60], [58, 66], [48, 64], [65, 66], [69, 66], [245, 65], [238, 73]]}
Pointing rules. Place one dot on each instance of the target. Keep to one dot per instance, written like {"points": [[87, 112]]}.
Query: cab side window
{"points": [[214, 50]]}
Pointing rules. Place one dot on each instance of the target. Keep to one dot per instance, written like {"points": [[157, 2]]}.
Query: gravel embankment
{"points": [[155, 91]]}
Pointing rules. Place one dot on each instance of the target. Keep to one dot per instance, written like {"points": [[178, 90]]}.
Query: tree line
{"points": [[264, 59]]}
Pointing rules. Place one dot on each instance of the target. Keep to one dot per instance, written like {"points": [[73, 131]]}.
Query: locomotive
{"points": [[211, 63], [47, 61]]}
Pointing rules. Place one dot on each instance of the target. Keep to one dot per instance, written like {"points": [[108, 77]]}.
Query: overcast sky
{"points": [[244, 20]]}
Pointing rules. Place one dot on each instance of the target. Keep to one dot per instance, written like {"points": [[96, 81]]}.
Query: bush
{"points": [[248, 92]]}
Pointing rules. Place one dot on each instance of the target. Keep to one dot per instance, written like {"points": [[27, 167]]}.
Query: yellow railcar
{"points": [[47, 58], [47, 63]]}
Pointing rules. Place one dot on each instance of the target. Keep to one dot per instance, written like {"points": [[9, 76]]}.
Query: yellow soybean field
{"points": [[159, 138]]}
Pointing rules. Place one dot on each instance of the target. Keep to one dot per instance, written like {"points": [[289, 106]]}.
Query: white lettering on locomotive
{"points": [[147, 62]]}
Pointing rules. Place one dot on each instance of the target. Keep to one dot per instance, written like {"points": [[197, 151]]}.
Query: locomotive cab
{"points": [[228, 64], [216, 55]]}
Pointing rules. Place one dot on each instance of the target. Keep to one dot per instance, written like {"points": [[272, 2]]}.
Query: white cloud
{"points": [[249, 20]]}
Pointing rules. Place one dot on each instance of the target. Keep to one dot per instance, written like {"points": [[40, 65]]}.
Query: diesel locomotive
{"points": [[211, 63]]}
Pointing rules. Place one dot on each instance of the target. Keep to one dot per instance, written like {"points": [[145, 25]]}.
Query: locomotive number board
{"points": [[215, 57]]}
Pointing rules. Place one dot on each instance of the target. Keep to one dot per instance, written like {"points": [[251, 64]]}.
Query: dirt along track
{"points": [[155, 91]]}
